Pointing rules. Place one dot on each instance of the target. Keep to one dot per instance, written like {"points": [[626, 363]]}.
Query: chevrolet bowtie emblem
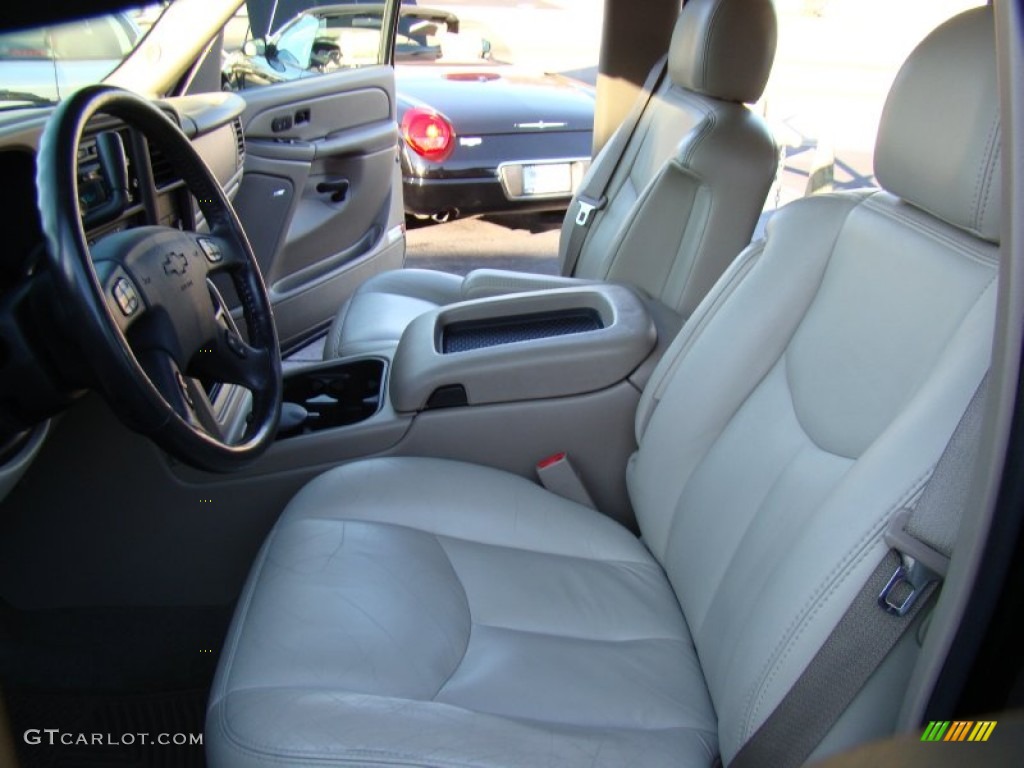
{"points": [[540, 125], [175, 264]]}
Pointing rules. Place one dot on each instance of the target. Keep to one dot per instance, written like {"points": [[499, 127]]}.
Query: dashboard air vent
{"points": [[163, 171], [239, 140]]}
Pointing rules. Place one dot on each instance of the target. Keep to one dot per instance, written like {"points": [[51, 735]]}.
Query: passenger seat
{"points": [[683, 202], [413, 611]]}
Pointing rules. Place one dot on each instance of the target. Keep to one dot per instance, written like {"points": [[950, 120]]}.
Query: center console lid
{"points": [[523, 346]]}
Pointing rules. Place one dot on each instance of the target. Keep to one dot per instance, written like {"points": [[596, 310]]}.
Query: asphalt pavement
{"points": [[522, 243]]}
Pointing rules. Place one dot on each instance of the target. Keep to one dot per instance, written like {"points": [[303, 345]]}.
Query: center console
{"points": [[503, 381]]}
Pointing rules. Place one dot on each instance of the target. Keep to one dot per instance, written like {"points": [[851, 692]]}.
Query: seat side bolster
{"points": [[754, 349], [822, 210]]}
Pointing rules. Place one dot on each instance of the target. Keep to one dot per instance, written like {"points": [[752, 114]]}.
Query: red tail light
{"points": [[430, 135]]}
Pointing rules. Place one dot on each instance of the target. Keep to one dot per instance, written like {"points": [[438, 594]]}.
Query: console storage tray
{"points": [[476, 334]]}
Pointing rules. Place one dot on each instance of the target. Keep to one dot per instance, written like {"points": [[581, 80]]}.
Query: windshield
{"points": [[41, 65]]}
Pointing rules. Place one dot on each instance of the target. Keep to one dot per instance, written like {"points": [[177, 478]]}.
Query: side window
{"points": [[313, 41], [91, 40], [835, 62], [295, 43]]}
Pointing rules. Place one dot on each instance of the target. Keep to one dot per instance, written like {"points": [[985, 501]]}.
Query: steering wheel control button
{"points": [[126, 296], [235, 344], [175, 263], [211, 249]]}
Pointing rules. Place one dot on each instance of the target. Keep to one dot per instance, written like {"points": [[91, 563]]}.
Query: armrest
{"points": [[536, 345], [483, 283]]}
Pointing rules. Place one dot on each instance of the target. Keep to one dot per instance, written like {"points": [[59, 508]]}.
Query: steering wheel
{"points": [[141, 306]]}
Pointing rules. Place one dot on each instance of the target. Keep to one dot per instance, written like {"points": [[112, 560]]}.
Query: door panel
{"points": [[321, 194], [319, 116]]}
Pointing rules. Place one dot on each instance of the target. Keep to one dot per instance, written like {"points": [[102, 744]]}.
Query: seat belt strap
{"points": [[921, 540], [592, 197], [851, 653]]}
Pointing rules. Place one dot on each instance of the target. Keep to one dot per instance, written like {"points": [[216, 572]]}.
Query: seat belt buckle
{"points": [[558, 475], [905, 586], [587, 207]]}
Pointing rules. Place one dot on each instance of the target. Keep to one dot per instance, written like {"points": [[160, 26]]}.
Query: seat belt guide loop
{"points": [[905, 586]]}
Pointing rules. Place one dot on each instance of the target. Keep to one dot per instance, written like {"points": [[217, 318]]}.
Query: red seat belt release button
{"points": [[557, 474]]}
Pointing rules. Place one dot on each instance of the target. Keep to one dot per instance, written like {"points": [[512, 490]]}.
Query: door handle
{"points": [[337, 189]]}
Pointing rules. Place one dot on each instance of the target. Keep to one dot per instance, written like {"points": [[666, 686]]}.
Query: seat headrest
{"points": [[939, 138], [724, 48]]}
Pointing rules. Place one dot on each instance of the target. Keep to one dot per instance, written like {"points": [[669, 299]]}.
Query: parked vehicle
{"points": [[45, 63], [479, 136]]}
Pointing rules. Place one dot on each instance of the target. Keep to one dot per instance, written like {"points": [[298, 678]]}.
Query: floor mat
{"points": [[151, 730]]}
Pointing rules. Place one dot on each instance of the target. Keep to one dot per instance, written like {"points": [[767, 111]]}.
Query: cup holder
{"points": [[332, 396]]}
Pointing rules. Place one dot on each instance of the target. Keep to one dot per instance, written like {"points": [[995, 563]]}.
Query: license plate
{"points": [[547, 179]]}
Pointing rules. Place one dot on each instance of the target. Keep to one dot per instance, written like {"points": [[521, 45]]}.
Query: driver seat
{"points": [[418, 611]]}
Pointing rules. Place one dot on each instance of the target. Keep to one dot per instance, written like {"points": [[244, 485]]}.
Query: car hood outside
{"points": [[489, 99]]}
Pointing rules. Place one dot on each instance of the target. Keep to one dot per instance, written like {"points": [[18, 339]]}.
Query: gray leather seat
{"points": [[416, 611], [682, 202]]}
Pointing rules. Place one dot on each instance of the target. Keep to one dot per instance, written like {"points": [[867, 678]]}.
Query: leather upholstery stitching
{"points": [[290, 755], [697, 323], [334, 337], [627, 162], [676, 263], [602, 560], [451, 537], [979, 176], [818, 600], [990, 174], [785, 352], [927, 228], [469, 613], [983, 176], [685, 482], [796, 412], [709, 33], [350, 756], [704, 132], [704, 129], [585, 639]]}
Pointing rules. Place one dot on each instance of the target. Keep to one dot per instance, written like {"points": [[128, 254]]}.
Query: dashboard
{"points": [[123, 181], [219, 142]]}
